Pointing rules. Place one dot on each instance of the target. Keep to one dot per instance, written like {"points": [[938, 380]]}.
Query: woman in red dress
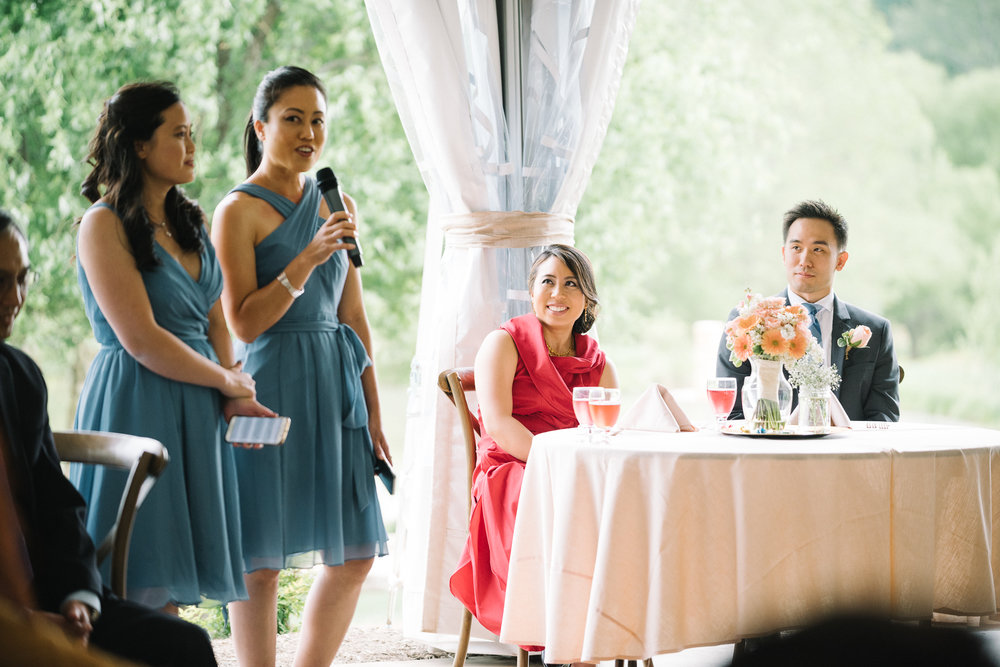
{"points": [[525, 374]]}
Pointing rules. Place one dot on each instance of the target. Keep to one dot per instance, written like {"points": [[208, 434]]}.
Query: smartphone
{"points": [[385, 472], [258, 430]]}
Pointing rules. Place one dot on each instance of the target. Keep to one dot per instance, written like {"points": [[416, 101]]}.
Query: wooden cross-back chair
{"points": [[143, 458], [455, 382]]}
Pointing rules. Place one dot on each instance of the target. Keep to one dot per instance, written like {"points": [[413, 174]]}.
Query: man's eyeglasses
{"points": [[24, 281]]}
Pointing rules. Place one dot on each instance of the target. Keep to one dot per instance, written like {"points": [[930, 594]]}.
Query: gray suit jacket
{"points": [[869, 377]]}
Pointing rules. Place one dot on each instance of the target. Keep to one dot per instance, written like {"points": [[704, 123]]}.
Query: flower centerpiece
{"points": [[770, 335], [810, 373], [814, 380]]}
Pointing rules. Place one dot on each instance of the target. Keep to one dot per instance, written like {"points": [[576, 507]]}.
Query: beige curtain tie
{"points": [[506, 229]]}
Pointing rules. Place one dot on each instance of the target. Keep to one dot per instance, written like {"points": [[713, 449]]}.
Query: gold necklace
{"points": [[553, 353], [163, 226]]}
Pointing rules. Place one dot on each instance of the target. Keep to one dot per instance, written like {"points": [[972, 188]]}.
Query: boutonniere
{"points": [[856, 337]]}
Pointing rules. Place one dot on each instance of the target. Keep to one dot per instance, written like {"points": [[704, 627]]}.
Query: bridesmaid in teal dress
{"points": [[294, 298], [165, 369]]}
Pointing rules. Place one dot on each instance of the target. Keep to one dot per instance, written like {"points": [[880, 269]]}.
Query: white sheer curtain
{"points": [[505, 170]]}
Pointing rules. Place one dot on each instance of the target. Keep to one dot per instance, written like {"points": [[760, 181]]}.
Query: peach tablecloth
{"points": [[655, 542]]}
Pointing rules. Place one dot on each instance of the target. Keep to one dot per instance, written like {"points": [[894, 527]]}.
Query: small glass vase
{"points": [[766, 396], [814, 409]]}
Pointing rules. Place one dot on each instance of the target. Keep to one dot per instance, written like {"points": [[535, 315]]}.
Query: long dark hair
{"points": [[270, 89], [579, 265], [132, 114]]}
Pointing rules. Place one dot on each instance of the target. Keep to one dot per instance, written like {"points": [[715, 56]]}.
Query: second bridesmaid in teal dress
{"points": [[294, 298], [165, 368]]}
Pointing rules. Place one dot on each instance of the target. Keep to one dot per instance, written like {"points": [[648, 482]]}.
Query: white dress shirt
{"points": [[824, 315]]}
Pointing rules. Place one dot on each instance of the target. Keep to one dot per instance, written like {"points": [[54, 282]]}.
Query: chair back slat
{"points": [[144, 458], [455, 382]]}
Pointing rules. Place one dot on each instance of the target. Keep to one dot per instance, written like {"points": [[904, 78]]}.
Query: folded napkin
{"points": [[656, 410], [838, 416]]}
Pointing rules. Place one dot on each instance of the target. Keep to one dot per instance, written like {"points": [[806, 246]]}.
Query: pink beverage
{"points": [[604, 413], [722, 400], [582, 409]]}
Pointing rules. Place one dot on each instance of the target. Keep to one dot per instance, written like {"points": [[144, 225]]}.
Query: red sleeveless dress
{"points": [[542, 395]]}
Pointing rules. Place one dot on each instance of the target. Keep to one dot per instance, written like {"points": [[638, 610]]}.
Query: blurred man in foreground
{"points": [[54, 546]]}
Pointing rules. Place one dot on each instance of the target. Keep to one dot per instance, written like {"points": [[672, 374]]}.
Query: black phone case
{"points": [[384, 472]]}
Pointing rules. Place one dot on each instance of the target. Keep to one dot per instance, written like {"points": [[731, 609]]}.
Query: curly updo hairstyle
{"points": [[132, 114]]}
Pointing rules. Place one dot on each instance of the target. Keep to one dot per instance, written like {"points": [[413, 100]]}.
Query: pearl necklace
{"points": [[163, 226]]}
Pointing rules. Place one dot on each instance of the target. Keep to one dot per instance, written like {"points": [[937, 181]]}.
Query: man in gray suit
{"points": [[815, 249]]}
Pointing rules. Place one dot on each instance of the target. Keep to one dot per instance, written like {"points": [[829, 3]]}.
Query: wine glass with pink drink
{"points": [[605, 405], [581, 407], [722, 396]]}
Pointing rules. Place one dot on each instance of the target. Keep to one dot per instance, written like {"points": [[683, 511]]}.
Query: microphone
{"points": [[327, 183]]}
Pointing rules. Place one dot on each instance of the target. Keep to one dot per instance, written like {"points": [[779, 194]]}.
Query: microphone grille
{"points": [[325, 177]]}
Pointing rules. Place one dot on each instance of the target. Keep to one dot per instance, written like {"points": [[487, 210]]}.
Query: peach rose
{"points": [[856, 337], [747, 322], [860, 335]]}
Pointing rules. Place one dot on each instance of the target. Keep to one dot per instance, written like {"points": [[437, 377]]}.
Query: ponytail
{"points": [[251, 147]]}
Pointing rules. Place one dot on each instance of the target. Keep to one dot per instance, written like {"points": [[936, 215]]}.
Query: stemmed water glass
{"points": [[581, 407], [605, 405], [722, 395]]}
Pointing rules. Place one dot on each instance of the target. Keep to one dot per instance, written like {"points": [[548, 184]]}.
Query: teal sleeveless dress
{"points": [[186, 543], [311, 500]]}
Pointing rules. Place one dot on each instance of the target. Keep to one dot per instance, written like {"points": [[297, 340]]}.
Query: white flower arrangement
{"points": [[809, 371]]}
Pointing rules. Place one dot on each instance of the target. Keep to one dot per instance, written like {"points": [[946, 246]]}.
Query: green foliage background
{"points": [[293, 586], [729, 112], [61, 60]]}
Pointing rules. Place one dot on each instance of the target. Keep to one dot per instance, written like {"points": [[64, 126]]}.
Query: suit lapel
{"points": [[841, 323]]}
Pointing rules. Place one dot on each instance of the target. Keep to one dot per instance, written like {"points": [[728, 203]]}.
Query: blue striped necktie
{"points": [[814, 326]]}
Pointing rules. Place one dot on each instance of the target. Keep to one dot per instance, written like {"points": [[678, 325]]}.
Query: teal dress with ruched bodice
{"points": [[186, 542], [311, 500]]}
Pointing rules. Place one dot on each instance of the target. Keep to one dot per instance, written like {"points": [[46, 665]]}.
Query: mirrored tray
{"points": [[791, 431]]}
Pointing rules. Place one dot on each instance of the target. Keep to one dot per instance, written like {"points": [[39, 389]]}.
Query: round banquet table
{"points": [[654, 542]]}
